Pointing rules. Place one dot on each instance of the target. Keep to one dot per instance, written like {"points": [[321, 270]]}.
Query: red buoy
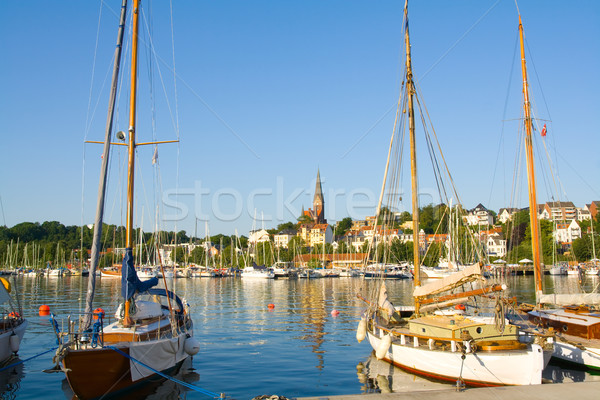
{"points": [[335, 313], [98, 311], [44, 310], [460, 307], [271, 305]]}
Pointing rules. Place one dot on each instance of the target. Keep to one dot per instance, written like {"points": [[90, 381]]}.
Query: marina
{"points": [[295, 349], [405, 291]]}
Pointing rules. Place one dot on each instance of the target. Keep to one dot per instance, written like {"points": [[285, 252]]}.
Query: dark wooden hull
{"points": [[102, 373]]}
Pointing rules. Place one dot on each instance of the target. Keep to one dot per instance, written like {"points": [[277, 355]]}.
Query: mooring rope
{"points": [[27, 359], [180, 382]]}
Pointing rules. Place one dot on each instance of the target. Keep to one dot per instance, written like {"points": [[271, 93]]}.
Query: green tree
{"points": [[343, 226], [304, 219], [433, 255]]}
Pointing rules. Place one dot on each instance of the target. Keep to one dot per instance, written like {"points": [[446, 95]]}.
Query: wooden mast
{"points": [[533, 218], [131, 159], [413, 157]]}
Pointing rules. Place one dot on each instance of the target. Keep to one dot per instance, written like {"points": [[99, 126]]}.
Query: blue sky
{"points": [[270, 91]]}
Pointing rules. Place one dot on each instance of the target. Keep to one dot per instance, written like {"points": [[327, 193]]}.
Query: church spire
{"points": [[318, 190], [319, 202]]}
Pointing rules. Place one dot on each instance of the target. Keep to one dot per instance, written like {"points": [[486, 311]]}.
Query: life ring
{"points": [[6, 284]]}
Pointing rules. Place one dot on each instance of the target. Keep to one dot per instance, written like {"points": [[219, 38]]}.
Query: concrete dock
{"points": [[553, 391]]}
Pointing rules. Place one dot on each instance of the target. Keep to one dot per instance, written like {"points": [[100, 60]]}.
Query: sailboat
{"points": [[574, 317], [12, 324], [152, 329], [435, 339]]}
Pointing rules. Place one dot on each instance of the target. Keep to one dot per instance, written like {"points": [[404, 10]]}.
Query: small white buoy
{"points": [[15, 342], [383, 347], [191, 346], [361, 331]]}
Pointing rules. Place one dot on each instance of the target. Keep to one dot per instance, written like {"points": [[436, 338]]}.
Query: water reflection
{"points": [[153, 389], [296, 349], [378, 376], [559, 373], [10, 379]]}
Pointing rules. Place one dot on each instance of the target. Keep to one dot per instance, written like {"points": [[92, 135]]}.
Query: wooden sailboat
{"points": [[433, 340], [574, 317], [152, 326]]}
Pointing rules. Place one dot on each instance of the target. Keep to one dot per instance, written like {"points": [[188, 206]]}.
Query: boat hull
{"points": [[102, 372], [586, 357], [479, 369], [5, 348]]}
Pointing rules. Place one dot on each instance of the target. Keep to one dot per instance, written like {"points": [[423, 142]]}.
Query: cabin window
{"points": [[565, 328], [479, 330]]}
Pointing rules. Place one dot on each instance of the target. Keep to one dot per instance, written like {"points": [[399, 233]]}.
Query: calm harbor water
{"points": [[296, 349]]}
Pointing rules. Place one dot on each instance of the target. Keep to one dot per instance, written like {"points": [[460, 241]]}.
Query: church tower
{"points": [[319, 202]]}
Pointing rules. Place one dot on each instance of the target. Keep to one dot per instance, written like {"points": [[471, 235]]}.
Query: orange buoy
{"points": [[271, 305], [460, 307], [335, 313], [44, 310], [98, 311]]}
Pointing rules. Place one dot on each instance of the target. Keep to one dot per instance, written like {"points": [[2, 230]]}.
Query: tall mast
{"points": [[413, 157], [533, 218], [131, 147], [96, 243], [132, 115]]}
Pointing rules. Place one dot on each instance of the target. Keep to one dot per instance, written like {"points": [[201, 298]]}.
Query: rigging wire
{"points": [[501, 140]]}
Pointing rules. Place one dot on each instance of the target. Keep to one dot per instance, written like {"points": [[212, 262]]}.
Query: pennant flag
{"points": [[544, 131], [155, 156]]}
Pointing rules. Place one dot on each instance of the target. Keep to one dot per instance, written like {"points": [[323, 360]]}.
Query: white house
{"points": [[506, 214], [479, 216], [543, 212], [583, 214], [567, 232], [258, 236], [495, 245], [282, 238]]}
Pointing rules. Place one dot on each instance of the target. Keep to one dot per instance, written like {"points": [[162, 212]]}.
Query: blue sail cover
{"points": [[129, 279]]}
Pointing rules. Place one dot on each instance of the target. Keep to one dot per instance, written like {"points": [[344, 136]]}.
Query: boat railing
{"points": [[71, 332], [466, 343]]}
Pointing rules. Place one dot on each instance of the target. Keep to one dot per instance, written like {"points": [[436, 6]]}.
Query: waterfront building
{"points": [[313, 234], [479, 216], [258, 236], [561, 210], [282, 238], [543, 212], [583, 214], [505, 214], [566, 232], [593, 208]]}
